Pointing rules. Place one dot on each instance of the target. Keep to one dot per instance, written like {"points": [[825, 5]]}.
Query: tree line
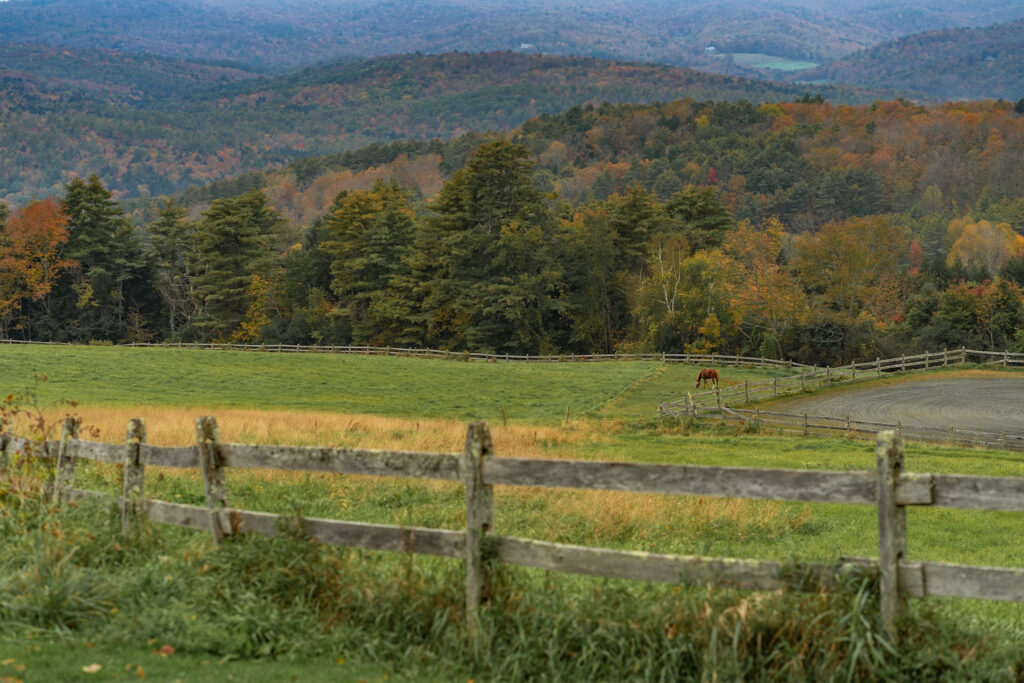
{"points": [[495, 264]]}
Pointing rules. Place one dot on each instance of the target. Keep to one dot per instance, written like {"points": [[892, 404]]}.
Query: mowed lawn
{"points": [[377, 385]]}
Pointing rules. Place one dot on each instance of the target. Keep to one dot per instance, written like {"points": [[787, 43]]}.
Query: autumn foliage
{"points": [[30, 256]]}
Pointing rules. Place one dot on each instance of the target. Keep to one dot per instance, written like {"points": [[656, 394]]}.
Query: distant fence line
{"points": [[813, 373], [723, 404], [889, 488], [711, 358], [807, 424]]}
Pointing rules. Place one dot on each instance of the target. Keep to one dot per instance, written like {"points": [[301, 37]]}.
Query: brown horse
{"points": [[708, 374]]}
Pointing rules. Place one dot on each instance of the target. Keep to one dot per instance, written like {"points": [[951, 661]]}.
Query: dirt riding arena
{"points": [[993, 404]]}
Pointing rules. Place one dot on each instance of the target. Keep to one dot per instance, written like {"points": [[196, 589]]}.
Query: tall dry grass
{"points": [[593, 517], [176, 427]]}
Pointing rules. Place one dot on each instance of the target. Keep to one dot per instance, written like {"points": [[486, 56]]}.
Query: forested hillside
{"points": [[968, 63], [116, 76], [153, 126], [797, 230]]}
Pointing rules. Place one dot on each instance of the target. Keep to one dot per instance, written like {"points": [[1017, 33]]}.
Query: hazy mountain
{"points": [[293, 32], [949, 64]]}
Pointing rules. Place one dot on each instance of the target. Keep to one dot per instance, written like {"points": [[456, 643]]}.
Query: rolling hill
{"points": [[966, 63], [156, 130]]}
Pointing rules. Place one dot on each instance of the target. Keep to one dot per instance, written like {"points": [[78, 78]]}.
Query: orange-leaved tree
{"points": [[30, 257]]}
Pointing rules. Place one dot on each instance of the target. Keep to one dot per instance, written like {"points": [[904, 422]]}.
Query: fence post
{"points": [[963, 355], [878, 366], [757, 420], [718, 400], [775, 387], [853, 371], [903, 362], [892, 525], [805, 424], [1004, 441], [945, 356], [134, 470], [5, 437], [65, 475], [207, 438], [746, 391], [952, 435], [802, 388], [1006, 358], [828, 375], [479, 520]]}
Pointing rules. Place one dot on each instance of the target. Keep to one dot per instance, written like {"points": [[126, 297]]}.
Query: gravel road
{"points": [[984, 403]]}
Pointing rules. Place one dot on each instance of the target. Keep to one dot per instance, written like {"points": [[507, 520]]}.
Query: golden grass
{"points": [[176, 427], [644, 517]]}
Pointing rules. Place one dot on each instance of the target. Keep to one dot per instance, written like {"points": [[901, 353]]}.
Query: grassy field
{"points": [[401, 387], [270, 398], [761, 61]]}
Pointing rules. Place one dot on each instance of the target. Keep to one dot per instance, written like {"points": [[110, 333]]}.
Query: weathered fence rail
{"points": [[806, 424], [889, 488]]}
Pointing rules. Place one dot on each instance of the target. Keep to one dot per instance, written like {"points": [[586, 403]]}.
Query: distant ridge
{"points": [[287, 33], [968, 63]]}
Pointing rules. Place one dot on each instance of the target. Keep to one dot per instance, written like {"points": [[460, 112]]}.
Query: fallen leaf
{"points": [[140, 672], [165, 651], [91, 668]]}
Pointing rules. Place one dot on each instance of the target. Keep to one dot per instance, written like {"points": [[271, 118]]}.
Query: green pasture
{"points": [[762, 61], [379, 385]]}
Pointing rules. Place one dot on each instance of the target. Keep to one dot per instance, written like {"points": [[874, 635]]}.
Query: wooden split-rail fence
{"points": [[889, 488], [755, 419], [362, 350]]}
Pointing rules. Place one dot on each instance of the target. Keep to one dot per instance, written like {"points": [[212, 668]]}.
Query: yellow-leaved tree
{"points": [[764, 295], [983, 244]]}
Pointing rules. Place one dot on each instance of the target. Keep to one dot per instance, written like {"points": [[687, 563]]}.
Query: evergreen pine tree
{"points": [[701, 217], [233, 246], [89, 302], [372, 233], [485, 260]]}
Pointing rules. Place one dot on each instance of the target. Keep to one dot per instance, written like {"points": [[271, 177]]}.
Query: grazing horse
{"points": [[708, 374]]}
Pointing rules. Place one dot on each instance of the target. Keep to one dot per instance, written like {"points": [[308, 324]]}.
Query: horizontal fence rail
{"points": [[820, 425], [889, 488]]}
